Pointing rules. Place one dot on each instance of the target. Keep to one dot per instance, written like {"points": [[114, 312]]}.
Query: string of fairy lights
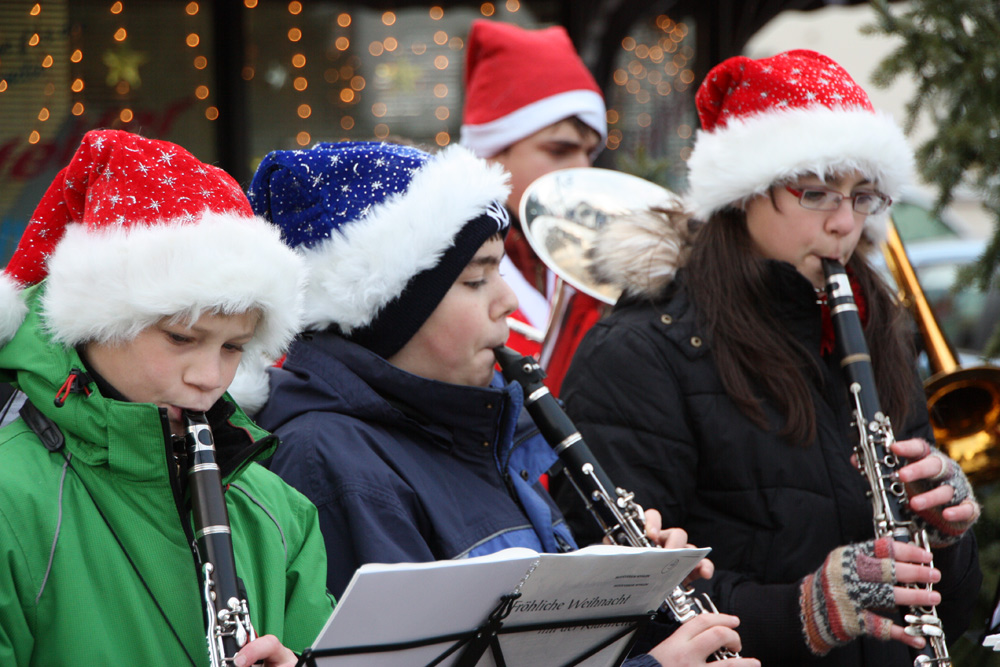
{"points": [[655, 67], [652, 64], [45, 58]]}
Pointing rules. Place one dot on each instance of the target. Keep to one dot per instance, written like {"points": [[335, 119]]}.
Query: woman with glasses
{"points": [[714, 390]]}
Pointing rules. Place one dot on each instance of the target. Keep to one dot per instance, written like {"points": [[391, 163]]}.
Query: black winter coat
{"points": [[645, 393]]}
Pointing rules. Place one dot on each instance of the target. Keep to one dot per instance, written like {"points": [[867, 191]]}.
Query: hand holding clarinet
{"points": [[923, 504], [230, 635], [703, 630]]}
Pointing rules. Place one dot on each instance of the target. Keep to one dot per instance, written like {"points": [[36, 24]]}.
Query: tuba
{"points": [[964, 403], [561, 214]]}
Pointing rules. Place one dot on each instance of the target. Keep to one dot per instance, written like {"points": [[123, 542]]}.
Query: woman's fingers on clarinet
{"points": [[936, 497], [932, 468], [963, 512], [912, 449], [906, 552], [898, 634], [915, 597]]}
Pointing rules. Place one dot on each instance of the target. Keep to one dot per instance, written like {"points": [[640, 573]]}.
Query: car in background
{"points": [[968, 315], [937, 247]]}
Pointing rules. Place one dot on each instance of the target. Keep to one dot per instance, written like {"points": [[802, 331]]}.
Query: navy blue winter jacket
{"points": [[406, 469]]}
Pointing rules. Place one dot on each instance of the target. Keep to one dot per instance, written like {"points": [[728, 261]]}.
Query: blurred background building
{"points": [[231, 80]]}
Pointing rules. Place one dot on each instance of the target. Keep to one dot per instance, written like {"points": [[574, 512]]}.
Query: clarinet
{"points": [[619, 517], [228, 626], [876, 461]]}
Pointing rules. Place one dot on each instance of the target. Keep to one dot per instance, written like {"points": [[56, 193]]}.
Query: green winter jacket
{"points": [[68, 593]]}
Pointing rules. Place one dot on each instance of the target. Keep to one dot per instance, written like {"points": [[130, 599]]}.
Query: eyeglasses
{"points": [[821, 199]]}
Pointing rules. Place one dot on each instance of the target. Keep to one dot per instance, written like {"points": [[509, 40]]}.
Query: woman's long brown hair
{"points": [[728, 283]]}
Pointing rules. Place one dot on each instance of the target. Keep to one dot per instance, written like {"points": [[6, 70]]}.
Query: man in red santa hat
{"points": [[533, 106]]}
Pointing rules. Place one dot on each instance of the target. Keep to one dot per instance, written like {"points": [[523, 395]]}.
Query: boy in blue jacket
{"points": [[393, 420]]}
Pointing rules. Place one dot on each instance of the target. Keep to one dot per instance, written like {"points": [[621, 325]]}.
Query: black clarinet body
{"points": [[228, 626], [619, 517], [877, 463]]}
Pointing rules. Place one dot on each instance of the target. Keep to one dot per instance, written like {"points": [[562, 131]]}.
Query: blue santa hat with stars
{"points": [[385, 230]]}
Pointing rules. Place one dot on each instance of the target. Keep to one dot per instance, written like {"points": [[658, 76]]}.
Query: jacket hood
{"points": [[641, 252]]}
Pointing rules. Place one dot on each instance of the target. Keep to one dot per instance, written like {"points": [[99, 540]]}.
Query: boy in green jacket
{"points": [[140, 281]]}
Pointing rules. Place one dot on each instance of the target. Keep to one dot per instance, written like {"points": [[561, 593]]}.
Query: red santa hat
{"points": [[134, 230], [519, 81], [774, 119]]}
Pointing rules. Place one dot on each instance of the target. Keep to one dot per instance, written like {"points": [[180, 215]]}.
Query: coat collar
{"points": [[792, 304], [346, 377]]}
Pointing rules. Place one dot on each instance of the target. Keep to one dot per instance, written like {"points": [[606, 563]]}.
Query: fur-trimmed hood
{"points": [[641, 252]]}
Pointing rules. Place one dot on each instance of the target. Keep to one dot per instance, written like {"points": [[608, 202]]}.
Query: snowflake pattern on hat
{"points": [[122, 180], [385, 229], [772, 120], [133, 230], [790, 80], [313, 192]]}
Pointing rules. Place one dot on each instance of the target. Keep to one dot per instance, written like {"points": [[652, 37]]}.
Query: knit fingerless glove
{"points": [[835, 602], [941, 532]]}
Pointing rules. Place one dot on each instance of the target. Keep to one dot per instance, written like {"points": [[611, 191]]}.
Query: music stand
{"points": [[486, 637]]}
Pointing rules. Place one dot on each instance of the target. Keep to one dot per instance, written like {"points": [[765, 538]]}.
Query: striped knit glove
{"points": [[835, 601], [940, 531]]}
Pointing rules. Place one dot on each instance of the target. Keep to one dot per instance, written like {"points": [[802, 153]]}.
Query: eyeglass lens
{"points": [[824, 200]]}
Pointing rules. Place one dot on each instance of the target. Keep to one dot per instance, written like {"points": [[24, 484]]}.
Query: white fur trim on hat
{"points": [[12, 308], [251, 386], [744, 158], [488, 139], [110, 284], [368, 263]]}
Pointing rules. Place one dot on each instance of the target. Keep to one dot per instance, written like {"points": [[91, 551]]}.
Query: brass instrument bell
{"points": [[964, 403]]}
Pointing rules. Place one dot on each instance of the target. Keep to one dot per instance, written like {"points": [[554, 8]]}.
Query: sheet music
{"points": [[633, 582], [409, 601], [389, 604]]}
